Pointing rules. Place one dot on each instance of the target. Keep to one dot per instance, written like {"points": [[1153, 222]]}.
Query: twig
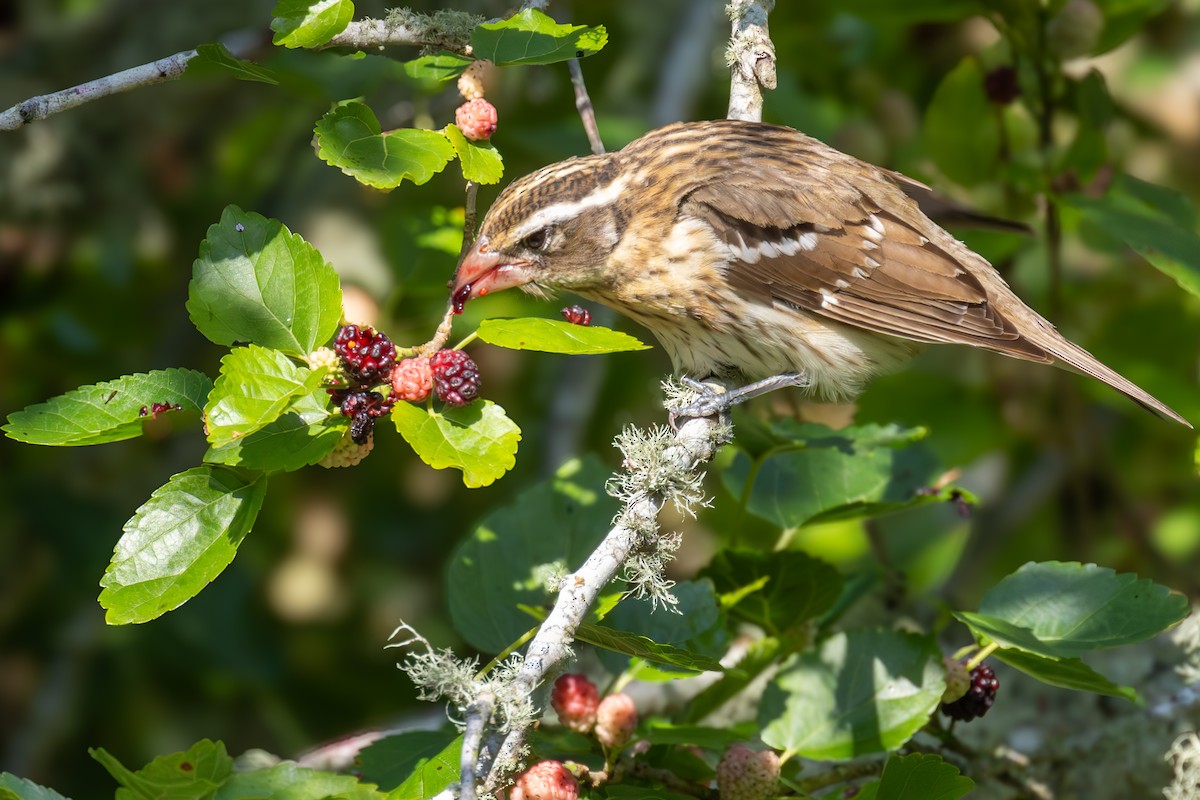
{"points": [[478, 715], [583, 104], [469, 218], [751, 58], [379, 33]]}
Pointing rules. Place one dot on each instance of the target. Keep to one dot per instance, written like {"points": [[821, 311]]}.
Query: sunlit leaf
{"points": [[305, 432], [393, 760], [196, 773], [478, 439], [480, 161], [254, 388], [556, 336], [309, 23], [531, 37], [349, 137], [442, 66]]}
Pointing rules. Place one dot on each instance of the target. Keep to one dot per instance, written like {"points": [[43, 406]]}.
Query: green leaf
{"points": [[350, 138], [179, 541], [440, 66], [1062, 610], [256, 281], [859, 692], [1152, 220], [309, 23], [254, 388], [392, 760], [556, 336], [816, 474], [961, 133], [305, 432], [290, 781], [1065, 673], [216, 59], [919, 776], [480, 161], [912, 11], [478, 439], [632, 644], [107, 412], [14, 788], [659, 731], [531, 37], [190, 775], [505, 561], [761, 655], [431, 774], [795, 587]]}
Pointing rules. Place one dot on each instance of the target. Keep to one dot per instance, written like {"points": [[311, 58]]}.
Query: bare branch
{"points": [[751, 58], [583, 103], [478, 716]]}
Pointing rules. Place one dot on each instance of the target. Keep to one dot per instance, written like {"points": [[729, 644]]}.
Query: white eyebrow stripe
{"points": [[561, 212]]}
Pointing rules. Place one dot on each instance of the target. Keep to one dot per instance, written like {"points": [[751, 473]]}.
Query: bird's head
{"points": [[553, 229]]}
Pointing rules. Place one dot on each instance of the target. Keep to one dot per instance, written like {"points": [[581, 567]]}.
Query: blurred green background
{"points": [[102, 209]]}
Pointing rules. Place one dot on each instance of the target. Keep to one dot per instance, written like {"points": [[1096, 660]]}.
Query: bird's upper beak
{"points": [[483, 271]]}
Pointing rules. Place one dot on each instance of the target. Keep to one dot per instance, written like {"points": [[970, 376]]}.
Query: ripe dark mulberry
{"points": [[367, 356], [363, 408], [577, 315], [978, 699], [455, 377]]}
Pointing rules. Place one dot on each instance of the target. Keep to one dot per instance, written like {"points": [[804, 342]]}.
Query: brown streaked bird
{"points": [[751, 250]]}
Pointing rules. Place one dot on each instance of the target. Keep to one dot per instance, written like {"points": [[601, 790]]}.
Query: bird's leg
{"points": [[715, 400]]}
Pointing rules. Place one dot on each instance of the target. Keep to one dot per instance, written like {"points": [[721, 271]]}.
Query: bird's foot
{"points": [[715, 399]]}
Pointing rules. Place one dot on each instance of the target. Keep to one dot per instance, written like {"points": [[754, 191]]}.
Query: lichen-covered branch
{"points": [[751, 58]]}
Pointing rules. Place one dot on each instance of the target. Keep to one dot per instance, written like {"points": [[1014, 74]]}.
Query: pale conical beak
{"points": [[484, 271]]}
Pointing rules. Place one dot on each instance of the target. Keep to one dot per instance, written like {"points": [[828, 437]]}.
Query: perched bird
{"points": [[751, 251]]}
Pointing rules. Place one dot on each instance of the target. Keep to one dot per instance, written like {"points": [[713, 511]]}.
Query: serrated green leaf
{"points": [[254, 388], [556, 336], [859, 692], [504, 562], [961, 133], [440, 66], [350, 138], [190, 775], [179, 541], [216, 58], [309, 23], [432, 774], [107, 412], [392, 760], [305, 432], [531, 37], [478, 439], [256, 281], [290, 781], [797, 586], [480, 161], [14, 788], [919, 776], [822, 475], [1063, 610], [632, 644], [1065, 673]]}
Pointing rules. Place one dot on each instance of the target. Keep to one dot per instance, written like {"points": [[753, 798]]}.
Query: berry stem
{"points": [[979, 657], [512, 648], [963, 652], [466, 341]]}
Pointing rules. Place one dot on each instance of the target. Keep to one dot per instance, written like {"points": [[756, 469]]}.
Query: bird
{"points": [[754, 252]]}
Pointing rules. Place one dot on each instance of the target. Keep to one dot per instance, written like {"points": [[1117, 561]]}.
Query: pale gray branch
{"points": [[751, 58]]}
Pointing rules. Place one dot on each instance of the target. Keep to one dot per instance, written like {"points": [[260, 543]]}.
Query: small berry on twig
{"points": [[575, 699], [616, 717], [412, 380], [978, 698], [476, 119], [455, 377], [745, 774], [546, 780]]}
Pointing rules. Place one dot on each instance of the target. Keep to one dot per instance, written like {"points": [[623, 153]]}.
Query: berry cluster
{"points": [[363, 408], [978, 698], [577, 702]]}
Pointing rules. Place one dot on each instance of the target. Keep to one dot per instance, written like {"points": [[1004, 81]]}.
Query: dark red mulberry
{"points": [[577, 315], [455, 377], [978, 699], [363, 408], [367, 356]]}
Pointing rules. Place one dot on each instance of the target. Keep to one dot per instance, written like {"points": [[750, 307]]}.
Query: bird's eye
{"points": [[537, 240]]}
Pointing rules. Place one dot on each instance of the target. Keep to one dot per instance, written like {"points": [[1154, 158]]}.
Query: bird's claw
{"points": [[715, 399]]}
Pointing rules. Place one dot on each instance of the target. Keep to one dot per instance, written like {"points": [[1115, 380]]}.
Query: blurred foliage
{"points": [[102, 210]]}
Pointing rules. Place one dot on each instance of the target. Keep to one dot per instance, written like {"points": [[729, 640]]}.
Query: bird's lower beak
{"points": [[484, 271]]}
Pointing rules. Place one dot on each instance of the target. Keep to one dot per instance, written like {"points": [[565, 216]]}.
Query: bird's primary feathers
{"points": [[751, 249]]}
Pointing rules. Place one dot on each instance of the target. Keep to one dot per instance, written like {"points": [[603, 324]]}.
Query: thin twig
{"points": [[751, 58], [583, 104], [469, 219], [478, 716]]}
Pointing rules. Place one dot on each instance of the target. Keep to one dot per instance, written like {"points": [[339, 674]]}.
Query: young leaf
{"points": [[480, 161], [505, 561], [1072, 608], [108, 412], [531, 37], [198, 772], [14, 788], [797, 586], [1065, 673], [254, 388], [179, 541], [294, 782], [961, 132], [216, 58], [432, 774], [919, 776], [309, 23], [822, 475], [478, 439], [304, 433], [256, 281], [392, 760], [441, 66], [859, 692], [556, 336], [350, 138]]}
